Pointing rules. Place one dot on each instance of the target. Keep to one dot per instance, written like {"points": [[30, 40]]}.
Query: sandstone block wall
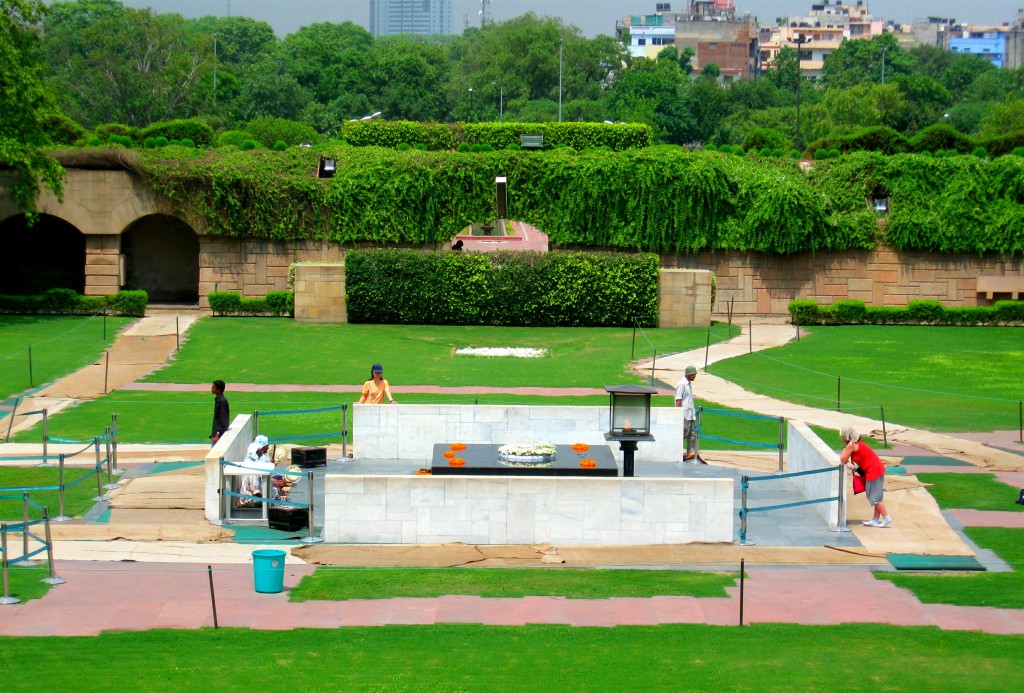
{"points": [[103, 265], [684, 298], [320, 293]]}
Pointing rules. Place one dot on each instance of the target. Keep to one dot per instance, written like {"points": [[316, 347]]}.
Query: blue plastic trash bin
{"points": [[268, 570]]}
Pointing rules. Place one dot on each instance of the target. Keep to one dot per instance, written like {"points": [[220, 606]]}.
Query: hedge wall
{"points": [[67, 302], [920, 312], [231, 303], [657, 199], [507, 288], [435, 136]]}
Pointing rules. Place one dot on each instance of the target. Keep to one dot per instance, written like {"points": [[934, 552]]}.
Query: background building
{"points": [[425, 17]]}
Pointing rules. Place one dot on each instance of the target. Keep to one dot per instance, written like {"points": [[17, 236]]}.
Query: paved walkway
{"points": [[140, 596]]}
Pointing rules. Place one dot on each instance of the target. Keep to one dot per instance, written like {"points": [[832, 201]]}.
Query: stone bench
{"points": [[531, 141], [990, 286]]}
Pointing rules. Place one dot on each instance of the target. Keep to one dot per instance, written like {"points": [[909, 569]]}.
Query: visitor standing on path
{"points": [[221, 411], [684, 399], [856, 455], [376, 389]]}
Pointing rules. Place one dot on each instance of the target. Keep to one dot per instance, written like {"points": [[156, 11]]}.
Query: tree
{"points": [[410, 79], [1004, 118], [863, 60], [962, 72], [25, 106]]}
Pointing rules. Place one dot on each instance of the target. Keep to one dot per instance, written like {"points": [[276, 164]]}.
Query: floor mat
{"points": [[257, 534], [163, 467], [935, 461], [911, 561]]}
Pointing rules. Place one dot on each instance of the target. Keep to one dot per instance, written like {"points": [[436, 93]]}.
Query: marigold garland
{"points": [[458, 447], [588, 463], [580, 447], [456, 462], [449, 454], [423, 472]]}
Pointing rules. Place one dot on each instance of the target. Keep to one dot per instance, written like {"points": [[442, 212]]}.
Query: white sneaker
{"points": [[884, 522], [871, 523]]}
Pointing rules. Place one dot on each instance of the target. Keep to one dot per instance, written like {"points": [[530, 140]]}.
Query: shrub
{"points": [[95, 141], [514, 147], [149, 143], [233, 138], [980, 152], [924, 311], [225, 302], [267, 130], [105, 131], [820, 154], [197, 131], [920, 312], [275, 303], [403, 146], [421, 147], [280, 146], [119, 140], [940, 136], [762, 138], [510, 288], [62, 130], [188, 143], [1009, 312], [752, 152], [66, 301], [389, 133], [249, 145], [1018, 151], [464, 147], [161, 141], [804, 312], [710, 148], [849, 312], [876, 139]]}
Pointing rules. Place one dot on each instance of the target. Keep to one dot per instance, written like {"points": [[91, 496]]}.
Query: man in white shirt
{"points": [[684, 399]]}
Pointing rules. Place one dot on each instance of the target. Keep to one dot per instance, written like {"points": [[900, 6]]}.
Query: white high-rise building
{"points": [[425, 17]]}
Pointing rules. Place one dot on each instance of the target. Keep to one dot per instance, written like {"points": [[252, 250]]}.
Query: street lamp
{"points": [[471, 104], [800, 40], [884, 49], [560, 80], [501, 101]]}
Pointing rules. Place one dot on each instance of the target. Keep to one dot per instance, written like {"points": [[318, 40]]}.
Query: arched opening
{"points": [[161, 257], [47, 255]]}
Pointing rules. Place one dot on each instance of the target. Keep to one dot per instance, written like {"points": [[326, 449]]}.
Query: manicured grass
{"points": [[374, 583], [937, 378], [77, 498], [272, 350], [184, 417], [999, 590], [26, 582], [526, 658], [60, 345], [974, 491]]}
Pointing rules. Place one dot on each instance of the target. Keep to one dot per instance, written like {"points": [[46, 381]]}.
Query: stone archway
{"points": [[161, 257], [49, 255]]}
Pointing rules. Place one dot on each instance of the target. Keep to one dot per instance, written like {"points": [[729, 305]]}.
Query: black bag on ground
{"points": [[1020, 497]]}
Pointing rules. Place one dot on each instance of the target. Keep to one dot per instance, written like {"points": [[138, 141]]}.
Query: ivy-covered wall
{"points": [[660, 199]]}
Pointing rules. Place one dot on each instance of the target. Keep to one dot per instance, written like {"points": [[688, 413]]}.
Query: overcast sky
{"points": [[592, 16]]}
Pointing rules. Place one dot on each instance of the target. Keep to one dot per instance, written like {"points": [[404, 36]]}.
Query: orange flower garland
{"points": [[580, 447], [456, 462], [458, 447], [588, 463], [423, 472], [449, 454]]}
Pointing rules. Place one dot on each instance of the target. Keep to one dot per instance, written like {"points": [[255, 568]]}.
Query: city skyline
{"points": [[593, 17]]}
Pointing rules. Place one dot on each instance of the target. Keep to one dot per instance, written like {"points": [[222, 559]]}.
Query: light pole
{"points": [[800, 40], [559, 80], [501, 101], [215, 70], [884, 49], [471, 104]]}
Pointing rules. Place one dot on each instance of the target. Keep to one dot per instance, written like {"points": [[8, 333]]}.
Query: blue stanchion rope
{"points": [[301, 411]]}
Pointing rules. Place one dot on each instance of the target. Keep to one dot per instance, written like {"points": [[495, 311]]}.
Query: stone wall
{"points": [[320, 293], [104, 265], [807, 452], [522, 510], [684, 298], [760, 284]]}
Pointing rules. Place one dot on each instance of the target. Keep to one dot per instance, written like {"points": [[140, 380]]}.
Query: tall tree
{"points": [[24, 105], [856, 61]]}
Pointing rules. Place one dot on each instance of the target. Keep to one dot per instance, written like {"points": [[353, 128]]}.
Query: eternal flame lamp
{"points": [[629, 416]]}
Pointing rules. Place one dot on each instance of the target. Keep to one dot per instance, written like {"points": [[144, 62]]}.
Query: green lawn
{"points": [[861, 657], [26, 582], [184, 417], [60, 345], [272, 350], [999, 590], [937, 378], [369, 583], [77, 498], [974, 491]]}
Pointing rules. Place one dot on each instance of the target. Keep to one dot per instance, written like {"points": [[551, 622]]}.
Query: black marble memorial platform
{"points": [[482, 460]]}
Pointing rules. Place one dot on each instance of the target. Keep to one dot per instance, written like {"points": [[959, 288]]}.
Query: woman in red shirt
{"points": [[858, 455]]}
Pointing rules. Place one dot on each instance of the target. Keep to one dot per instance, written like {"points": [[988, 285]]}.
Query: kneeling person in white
{"points": [[255, 458]]}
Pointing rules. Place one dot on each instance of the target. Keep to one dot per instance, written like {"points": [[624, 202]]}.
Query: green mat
{"points": [[911, 561], [939, 461], [161, 467], [896, 471], [260, 534]]}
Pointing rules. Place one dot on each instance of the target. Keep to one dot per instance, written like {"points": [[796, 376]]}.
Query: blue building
{"points": [[985, 42]]}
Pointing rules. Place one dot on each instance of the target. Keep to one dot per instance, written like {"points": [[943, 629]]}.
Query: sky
{"points": [[593, 17]]}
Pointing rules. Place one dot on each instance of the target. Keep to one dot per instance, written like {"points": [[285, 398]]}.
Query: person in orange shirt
{"points": [[857, 455], [376, 389]]}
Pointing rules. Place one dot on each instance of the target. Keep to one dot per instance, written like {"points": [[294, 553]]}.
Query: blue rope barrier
{"points": [[261, 499], [301, 411], [788, 505], [26, 557], [740, 415], [305, 437], [51, 439], [792, 474], [773, 446], [18, 458], [22, 489]]}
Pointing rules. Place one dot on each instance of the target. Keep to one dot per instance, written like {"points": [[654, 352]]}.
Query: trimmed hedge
{"points": [[268, 130], [920, 312], [385, 133], [197, 131], [68, 302], [231, 303], [556, 289], [391, 133]]}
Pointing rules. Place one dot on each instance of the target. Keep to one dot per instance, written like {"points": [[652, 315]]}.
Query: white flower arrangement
{"points": [[527, 450], [516, 352]]}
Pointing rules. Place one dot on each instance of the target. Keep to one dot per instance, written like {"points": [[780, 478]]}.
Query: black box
{"points": [[309, 457], [287, 519]]}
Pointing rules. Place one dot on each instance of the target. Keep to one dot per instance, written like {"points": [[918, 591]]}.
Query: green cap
{"points": [[691, 370]]}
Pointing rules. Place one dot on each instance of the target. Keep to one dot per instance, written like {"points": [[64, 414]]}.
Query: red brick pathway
{"points": [[140, 596]]}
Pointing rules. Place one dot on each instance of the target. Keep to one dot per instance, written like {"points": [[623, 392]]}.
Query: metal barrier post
{"points": [[24, 519], [344, 430], [225, 507], [5, 569], [654, 361], [110, 472], [782, 449], [841, 502], [312, 538], [743, 512], [53, 579], [10, 421], [100, 496], [106, 370], [696, 453], [113, 430], [885, 436], [61, 517], [707, 349], [255, 423], [46, 455]]}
